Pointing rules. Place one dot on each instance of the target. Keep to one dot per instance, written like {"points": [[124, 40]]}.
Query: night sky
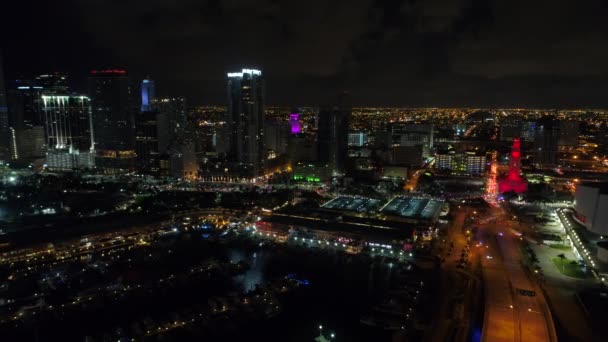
{"points": [[402, 53]]}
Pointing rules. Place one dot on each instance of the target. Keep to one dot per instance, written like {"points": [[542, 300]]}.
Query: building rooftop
{"points": [[602, 186], [406, 207], [413, 207], [360, 204]]}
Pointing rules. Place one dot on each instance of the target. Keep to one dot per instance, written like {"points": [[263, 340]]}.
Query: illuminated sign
{"points": [[109, 72]]}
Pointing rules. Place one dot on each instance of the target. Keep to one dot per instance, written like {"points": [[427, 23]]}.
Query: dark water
{"points": [[342, 287]]}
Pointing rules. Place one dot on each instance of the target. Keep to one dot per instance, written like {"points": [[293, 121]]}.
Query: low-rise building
{"points": [[461, 163], [591, 206]]}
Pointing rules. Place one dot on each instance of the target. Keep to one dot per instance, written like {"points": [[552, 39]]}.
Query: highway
{"points": [[516, 309], [509, 314]]}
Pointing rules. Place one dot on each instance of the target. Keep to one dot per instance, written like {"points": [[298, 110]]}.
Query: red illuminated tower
{"points": [[513, 181]]}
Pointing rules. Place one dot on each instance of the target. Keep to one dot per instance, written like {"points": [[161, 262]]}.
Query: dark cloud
{"points": [[392, 52]]}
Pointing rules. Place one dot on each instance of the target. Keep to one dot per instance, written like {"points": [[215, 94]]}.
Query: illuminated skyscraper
{"points": [[69, 131], [245, 120], [113, 120], [147, 95]]}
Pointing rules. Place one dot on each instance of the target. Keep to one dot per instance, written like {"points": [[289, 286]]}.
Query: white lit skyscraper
{"points": [[69, 131], [245, 119]]}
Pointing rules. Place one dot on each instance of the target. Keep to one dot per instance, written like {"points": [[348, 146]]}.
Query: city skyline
{"points": [[478, 53], [271, 170]]}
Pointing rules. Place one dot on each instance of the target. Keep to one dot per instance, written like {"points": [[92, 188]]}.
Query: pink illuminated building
{"points": [[294, 121], [513, 181]]}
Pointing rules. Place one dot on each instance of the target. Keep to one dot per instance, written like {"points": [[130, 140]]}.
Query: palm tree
{"points": [[562, 259]]}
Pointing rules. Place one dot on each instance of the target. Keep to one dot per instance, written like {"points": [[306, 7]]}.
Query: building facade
{"points": [[357, 139], [461, 163], [113, 120], [568, 133], [4, 125], [28, 143], [546, 139], [146, 142], [591, 206], [148, 95], [53, 83], [332, 135], [69, 131], [245, 120]]}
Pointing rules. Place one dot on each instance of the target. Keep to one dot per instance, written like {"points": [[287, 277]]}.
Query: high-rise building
{"points": [[333, 135], [162, 133], [53, 83], [568, 133], [182, 158], [147, 131], [4, 124], [408, 143], [148, 95], [525, 130], [245, 120], [146, 142], [276, 135], [25, 104], [546, 139], [510, 130], [528, 131], [410, 134], [28, 144], [172, 121], [176, 137], [3, 102], [113, 120], [69, 131], [294, 122], [301, 147]]}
